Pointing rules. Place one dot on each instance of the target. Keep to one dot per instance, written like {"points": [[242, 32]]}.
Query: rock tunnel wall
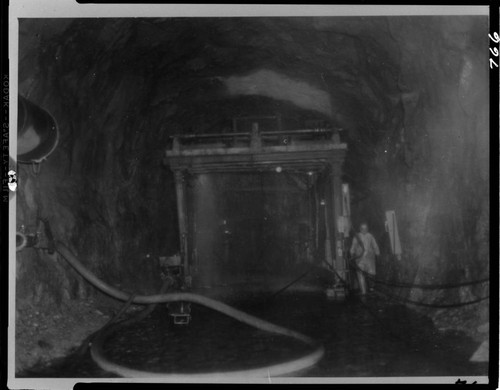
{"points": [[441, 157], [409, 95]]}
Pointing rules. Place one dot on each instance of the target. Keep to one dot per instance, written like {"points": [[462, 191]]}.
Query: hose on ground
{"points": [[97, 352], [443, 286], [83, 348], [291, 283], [434, 305], [423, 304]]}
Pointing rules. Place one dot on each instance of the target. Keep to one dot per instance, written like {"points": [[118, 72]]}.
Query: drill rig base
{"points": [[173, 272]]}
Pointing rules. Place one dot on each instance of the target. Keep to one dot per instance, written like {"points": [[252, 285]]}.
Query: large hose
{"points": [[97, 354], [24, 241]]}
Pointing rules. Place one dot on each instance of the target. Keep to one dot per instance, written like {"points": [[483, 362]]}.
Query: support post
{"points": [[312, 221], [180, 189], [255, 138], [316, 217], [338, 243], [329, 224]]}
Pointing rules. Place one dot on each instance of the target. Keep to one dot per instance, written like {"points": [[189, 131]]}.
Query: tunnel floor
{"points": [[361, 339]]}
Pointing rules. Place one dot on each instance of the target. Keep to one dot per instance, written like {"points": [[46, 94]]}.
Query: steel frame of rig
{"points": [[319, 153]]}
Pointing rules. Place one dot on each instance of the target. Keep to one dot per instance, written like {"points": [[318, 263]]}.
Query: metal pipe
{"points": [[24, 241], [248, 134], [49, 235], [27, 240], [180, 189]]}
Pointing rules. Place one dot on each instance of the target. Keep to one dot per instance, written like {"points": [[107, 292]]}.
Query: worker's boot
{"points": [[362, 284], [371, 285]]}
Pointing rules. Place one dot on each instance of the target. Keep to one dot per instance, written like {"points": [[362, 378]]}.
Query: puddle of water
{"points": [[371, 339]]}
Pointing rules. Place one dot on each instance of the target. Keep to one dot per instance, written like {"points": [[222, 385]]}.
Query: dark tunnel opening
{"points": [[382, 119]]}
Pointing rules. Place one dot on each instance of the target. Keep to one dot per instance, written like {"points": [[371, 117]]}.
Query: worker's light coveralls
{"points": [[368, 244]]}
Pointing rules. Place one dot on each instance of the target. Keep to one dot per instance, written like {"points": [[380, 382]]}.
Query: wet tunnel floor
{"points": [[374, 338]]}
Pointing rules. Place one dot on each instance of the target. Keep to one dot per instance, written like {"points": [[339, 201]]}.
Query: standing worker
{"points": [[364, 248]]}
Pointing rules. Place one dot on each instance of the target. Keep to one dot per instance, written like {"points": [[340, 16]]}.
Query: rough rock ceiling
{"points": [[342, 58]]}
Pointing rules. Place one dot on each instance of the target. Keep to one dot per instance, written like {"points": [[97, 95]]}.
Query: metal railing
{"points": [[248, 134]]}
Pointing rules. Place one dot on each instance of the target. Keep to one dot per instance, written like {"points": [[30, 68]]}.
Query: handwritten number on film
{"points": [[495, 38], [464, 382]]}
